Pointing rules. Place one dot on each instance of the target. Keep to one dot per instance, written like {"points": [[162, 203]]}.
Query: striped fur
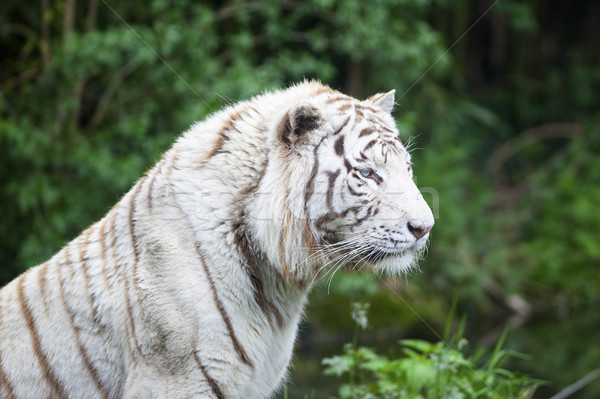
{"points": [[194, 283]]}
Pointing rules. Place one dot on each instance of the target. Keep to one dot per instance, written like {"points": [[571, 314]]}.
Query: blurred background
{"points": [[502, 99]]}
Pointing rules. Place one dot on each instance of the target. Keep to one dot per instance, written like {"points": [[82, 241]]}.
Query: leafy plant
{"points": [[427, 370]]}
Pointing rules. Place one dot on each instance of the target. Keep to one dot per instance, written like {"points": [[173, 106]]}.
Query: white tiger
{"points": [[194, 283]]}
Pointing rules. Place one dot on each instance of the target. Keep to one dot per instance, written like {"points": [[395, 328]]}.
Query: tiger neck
{"points": [[223, 230]]}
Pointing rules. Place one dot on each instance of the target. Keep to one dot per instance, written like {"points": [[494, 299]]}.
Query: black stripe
{"points": [[228, 125], [331, 185], [366, 131], [47, 370], [156, 172], [323, 90], [363, 107], [93, 372], [338, 98], [129, 309], [136, 256], [347, 165], [242, 241], [339, 146], [331, 216], [132, 206], [88, 285], [378, 179], [310, 185], [360, 221], [344, 107], [6, 388], [211, 382], [343, 125], [117, 267], [174, 158], [219, 304], [355, 193], [102, 240], [370, 144], [282, 239], [359, 115], [42, 281]]}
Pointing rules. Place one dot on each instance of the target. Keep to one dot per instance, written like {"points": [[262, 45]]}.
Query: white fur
{"points": [[156, 315]]}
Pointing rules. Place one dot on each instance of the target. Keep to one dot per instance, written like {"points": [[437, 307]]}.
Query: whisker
{"points": [[342, 261], [334, 261]]}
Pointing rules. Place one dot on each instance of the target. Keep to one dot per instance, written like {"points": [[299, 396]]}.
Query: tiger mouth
{"points": [[379, 255]]}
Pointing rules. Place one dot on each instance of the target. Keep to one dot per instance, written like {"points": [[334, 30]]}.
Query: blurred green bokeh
{"points": [[502, 97]]}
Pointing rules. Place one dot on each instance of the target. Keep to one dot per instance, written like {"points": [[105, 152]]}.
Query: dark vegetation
{"points": [[503, 98]]}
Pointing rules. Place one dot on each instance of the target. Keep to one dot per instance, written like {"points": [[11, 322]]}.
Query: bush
{"points": [[427, 370]]}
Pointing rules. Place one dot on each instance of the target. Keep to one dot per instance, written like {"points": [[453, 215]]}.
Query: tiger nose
{"points": [[419, 231]]}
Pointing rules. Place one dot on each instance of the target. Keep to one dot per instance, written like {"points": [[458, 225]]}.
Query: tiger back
{"points": [[194, 283]]}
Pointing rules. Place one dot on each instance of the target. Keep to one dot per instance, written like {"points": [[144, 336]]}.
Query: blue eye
{"points": [[366, 172], [369, 173]]}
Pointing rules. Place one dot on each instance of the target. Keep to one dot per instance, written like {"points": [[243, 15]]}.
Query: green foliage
{"points": [[87, 105], [561, 252], [427, 370], [503, 110]]}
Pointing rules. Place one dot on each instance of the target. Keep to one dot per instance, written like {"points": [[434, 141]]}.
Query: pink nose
{"points": [[419, 231]]}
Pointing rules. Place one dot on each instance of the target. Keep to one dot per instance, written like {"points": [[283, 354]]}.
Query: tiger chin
{"points": [[194, 283]]}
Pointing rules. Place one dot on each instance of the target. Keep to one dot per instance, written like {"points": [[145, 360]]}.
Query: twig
{"points": [[45, 41], [69, 22], [92, 15], [81, 81], [108, 93], [534, 134], [577, 385], [21, 29], [19, 79]]}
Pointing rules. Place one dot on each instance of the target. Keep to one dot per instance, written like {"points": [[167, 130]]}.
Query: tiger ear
{"points": [[300, 119], [385, 101]]}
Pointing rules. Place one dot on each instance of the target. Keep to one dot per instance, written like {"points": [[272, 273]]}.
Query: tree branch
{"points": [[69, 21], [19, 79], [529, 136], [108, 93], [45, 41], [80, 85], [577, 385], [92, 15]]}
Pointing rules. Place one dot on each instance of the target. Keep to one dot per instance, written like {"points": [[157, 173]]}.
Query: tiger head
{"points": [[342, 190]]}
